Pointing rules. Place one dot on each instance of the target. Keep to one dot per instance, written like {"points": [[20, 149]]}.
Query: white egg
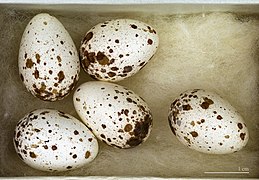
{"points": [[205, 122], [117, 49], [48, 60], [51, 140], [116, 115]]}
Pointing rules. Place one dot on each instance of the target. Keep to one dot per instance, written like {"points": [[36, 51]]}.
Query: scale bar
{"points": [[226, 172]]}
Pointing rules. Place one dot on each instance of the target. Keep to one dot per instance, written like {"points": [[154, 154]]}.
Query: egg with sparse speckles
{"points": [[117, 49], [205, 122], [115, 114], [50, 140], [48, 60]]}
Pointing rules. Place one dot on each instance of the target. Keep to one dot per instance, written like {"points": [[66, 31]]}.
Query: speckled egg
{"points": [[115, 114], [51, 140], [205, 122], [48, 59], [117, 49]]}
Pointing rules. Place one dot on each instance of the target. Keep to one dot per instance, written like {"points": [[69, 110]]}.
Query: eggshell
{"points": [[117, 49], [205, 122], [51, 140], [48, 60], [116, 115]]}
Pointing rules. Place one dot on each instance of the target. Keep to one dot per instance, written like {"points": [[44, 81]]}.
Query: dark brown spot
{"points": [[87, 154], [240, 126], [242, 136], [54, 148], [103, 126], [45, 147], [202, 120], [207, 102], [59, 58], [36, 74], [227, 136], [140, 131], [61, 76], [25, 55], [219, 117], [117, 41], [149, 41], [74, 156], [62, 42], [120, 56], [194, 134], [77, 99], [37, 56], [102, 59], [29, 63], [69, 167], [87, 37], [33, 155], [90, 139], [103, 136], [129, 100], [127, 69], [134, 26], [110, 51], [187, 107], [62, 114], [111, 74], [114, 69], [50, 72], [45, 23], [128, 128], [193, 123], [76, 132]]}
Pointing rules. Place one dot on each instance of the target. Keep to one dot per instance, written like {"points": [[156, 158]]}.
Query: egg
{"points": [[48, 60], [50, 140], [117, 49], [115, 114], [205, 122]]}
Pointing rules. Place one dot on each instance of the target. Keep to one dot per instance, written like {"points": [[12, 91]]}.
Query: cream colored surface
{"points": [[214, 51]]}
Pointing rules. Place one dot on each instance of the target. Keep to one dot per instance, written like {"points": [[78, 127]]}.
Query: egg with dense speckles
{"points": [[48, 60], [51, 140], [205, 122], [117, 49], [115, 114]]}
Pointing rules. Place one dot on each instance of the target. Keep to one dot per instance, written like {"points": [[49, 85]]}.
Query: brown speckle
{"points": [[117, 41], [202, 120], [37, 56], [90, 139], [69, 167], [61, 76], [45, 147], [59, 59], [87, 154], [127, 69], [29, 63], [103, 136], [76, 132], [87, 37], [193, 123], [50, 72], [242, 136], [149, 41], [227, 136], [114, 69], [219, 117], [45, 23], [74, 156], [111, 74], [102, 59], [77, 99], [36, 74], [103, 126], [240, 126], [33, 155], [187, 107], [194, 134], [207, 102], [54, 148], [128, 128], [134, 26]]}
